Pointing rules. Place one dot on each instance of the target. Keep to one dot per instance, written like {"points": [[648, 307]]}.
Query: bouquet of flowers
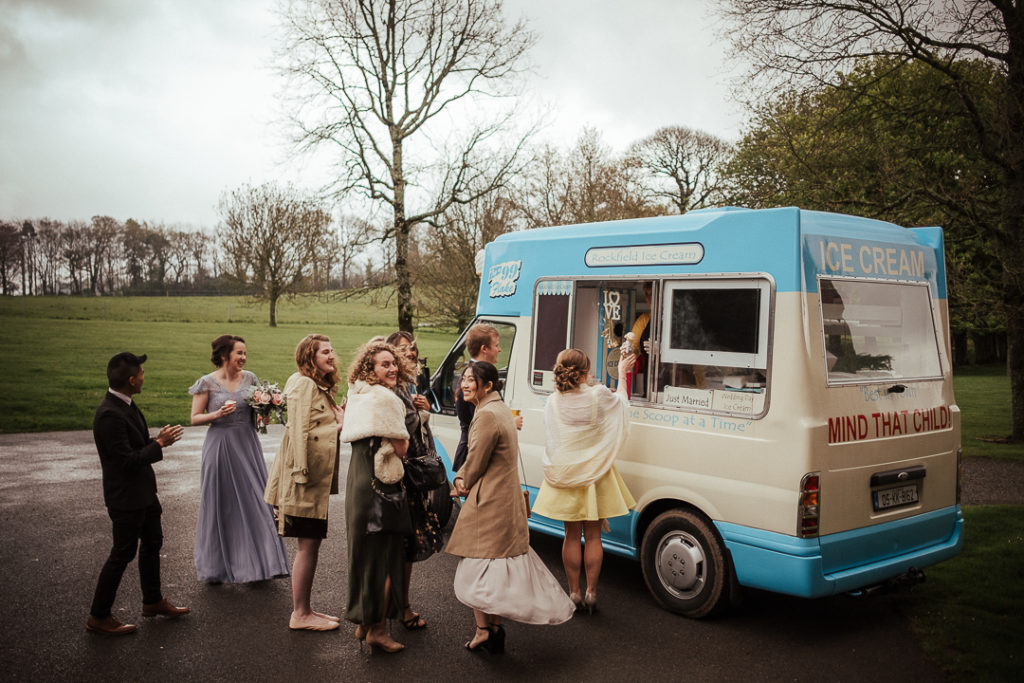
{"points": [[267, 401]]}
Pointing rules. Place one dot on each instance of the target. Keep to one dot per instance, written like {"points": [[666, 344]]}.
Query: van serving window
{"points": [[551, 327], [714, 345], [877, 331]]}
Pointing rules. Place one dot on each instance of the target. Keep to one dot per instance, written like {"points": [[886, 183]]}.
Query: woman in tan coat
{"points": [[305, 471], [499, 575]]}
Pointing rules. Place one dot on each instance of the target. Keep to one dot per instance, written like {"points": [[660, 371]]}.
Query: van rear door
{"points": [[893, 431]]}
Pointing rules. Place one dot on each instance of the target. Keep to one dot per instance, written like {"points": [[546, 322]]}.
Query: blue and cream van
{"points": [[793, 428]]}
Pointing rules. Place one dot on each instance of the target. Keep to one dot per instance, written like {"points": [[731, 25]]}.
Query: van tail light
{"points": [[809, 510], [959, 472]]}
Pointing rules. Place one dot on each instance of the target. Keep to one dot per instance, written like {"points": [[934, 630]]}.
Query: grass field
{"points": [[54, 368], [983, 394], [969, 614]]}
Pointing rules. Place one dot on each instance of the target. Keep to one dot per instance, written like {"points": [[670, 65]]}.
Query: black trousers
{"points": [[134, 530]]}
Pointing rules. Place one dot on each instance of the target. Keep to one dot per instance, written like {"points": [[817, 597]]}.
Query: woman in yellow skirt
{"points": [[586, 429]]}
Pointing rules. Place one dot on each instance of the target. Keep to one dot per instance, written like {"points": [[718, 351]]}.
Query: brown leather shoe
{"points": [[109, 626], [165, 608]]}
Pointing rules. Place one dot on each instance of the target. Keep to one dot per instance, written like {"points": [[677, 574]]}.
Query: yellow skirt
{"points": [[607, 497]]}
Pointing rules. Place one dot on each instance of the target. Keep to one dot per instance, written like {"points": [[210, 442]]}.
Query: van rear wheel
{"points": [[684, 564]]}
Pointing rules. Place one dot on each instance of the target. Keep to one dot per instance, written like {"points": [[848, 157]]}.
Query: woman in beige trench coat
{"points": [[305, 471], [499, 575]]}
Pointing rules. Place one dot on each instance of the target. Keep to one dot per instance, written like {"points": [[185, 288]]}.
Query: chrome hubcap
{"points": [[681, 564]]}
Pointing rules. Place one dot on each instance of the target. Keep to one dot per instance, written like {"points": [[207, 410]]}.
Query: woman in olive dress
{"points": [[374, 420]]}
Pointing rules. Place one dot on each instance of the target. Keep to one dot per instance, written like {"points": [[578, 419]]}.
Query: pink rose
{"points": [[264, 397], [276, 399]]}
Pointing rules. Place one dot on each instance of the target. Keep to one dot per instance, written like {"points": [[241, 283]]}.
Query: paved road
{"points": [[54, 537]]}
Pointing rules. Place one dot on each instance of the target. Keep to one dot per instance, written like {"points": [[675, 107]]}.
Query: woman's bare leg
{"points": [[303, 571], [593, 553], [572, 554]]}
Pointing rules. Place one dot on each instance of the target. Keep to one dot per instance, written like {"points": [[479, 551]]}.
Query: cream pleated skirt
{"points": [[518, 588], [607, 497]]}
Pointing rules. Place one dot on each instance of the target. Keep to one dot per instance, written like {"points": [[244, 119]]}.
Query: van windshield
{"points": [[877, 331]]}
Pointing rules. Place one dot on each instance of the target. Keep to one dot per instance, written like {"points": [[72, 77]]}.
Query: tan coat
{"points": [[492, 522], [305, 470]]}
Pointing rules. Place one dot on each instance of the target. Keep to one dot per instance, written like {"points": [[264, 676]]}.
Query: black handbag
{"points": [[425, 473], [389, 509]]}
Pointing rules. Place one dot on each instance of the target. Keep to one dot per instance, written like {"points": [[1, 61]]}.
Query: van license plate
{"points": [[894, 497]]}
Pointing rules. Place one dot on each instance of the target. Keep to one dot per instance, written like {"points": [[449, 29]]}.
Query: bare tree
{"points": [[47, 255], [808, 41], [355, 234], [446, 277], [588, 183], [10, 256], [684, 165], [100, 239], [271, 237], [75, 252], [28, 238], [198, 246], [372, 79]]}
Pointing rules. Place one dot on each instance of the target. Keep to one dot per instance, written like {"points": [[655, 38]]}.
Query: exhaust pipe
{"points": [[901, 582]]}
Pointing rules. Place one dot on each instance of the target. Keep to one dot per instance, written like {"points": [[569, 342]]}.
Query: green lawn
{"points": [[983, 394], [969, 613], [54, 369]]}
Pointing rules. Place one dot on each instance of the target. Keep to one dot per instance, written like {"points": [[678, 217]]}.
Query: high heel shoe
{"points": [[576, 600], [483, 645], [390, 646], [495, 642], [590, 602]]}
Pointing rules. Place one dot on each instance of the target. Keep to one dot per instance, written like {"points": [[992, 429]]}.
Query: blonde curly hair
{"points": [[571, 369], [361, 368]]}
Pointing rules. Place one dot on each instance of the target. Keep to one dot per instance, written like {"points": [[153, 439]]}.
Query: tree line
{"points": [[278, 240]]}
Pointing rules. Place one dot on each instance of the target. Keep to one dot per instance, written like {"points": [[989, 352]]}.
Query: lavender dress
{"points": [[236, 538]]}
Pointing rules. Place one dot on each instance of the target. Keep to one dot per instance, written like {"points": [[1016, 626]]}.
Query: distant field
{"points": [[315, 310], [983, 394], [54, 366]]}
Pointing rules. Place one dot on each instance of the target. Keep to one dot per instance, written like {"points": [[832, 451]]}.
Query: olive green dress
{"points": [[371, 557]]}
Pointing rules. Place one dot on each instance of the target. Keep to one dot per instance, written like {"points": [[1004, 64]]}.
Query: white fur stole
{"points": [[374, 410]]}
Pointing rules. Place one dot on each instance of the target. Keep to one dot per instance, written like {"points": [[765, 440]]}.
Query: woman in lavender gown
{"points": [[236, 537]]}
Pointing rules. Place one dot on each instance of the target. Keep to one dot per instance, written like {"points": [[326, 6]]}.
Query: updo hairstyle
{"points": [[571, 369], [412, 368], [222, 348], [483, 372]]}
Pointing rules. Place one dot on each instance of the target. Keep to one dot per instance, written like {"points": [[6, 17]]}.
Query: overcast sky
{"points": [[150, 109]]}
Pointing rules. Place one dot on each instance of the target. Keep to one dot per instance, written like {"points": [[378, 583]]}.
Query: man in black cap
{"points": [[129, 490]]}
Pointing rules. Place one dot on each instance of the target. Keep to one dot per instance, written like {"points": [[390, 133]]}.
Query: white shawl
{"points": [[373, 410], [586, 431]]}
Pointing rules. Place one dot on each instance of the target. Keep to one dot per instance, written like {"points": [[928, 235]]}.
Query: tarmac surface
{"points": [[55, 535]]}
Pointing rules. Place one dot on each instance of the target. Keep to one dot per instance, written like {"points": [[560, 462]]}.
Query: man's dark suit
{"points": [[129, 490]]}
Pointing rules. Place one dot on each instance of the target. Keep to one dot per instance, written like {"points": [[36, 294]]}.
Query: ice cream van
{"points": [[793, 426]]}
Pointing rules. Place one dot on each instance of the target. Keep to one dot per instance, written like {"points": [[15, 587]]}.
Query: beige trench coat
{"points": [[492, 522], [305, 470]]}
